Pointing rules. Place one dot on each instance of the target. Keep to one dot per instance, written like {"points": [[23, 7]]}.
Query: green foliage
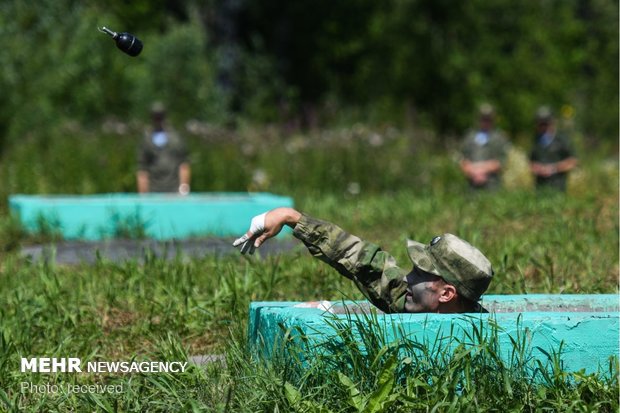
{"points": [[71, 160], [262, 93], [434, 61], [63, 69], [176, 69], [418, 61], [38, 79], [597, 92]]}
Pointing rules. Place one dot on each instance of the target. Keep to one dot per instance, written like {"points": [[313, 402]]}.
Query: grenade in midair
{"points": [[127, 42]]}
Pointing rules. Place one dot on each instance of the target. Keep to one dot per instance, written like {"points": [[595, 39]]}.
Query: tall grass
{"points": [[357, 369]]}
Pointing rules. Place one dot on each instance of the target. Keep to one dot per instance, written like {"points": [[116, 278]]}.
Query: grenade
{"points": [[127, 42]]}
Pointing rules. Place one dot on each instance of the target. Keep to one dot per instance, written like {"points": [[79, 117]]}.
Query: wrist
{"points": [[184, 189], [292, 217]]}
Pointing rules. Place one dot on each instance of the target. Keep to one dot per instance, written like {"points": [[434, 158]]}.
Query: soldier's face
{"points": [[158, 120], [486, 123], [423, 292], [542, 127]]}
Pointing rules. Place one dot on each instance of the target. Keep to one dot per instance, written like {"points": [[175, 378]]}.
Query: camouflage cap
{"points": [[456, 261], [486, 111], [543, 114], [158, 108]]}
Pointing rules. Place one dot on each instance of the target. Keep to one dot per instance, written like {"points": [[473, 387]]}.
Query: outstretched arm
{"points": [[373, 270]]}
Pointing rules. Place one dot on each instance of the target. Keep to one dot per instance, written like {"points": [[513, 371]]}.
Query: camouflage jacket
{"points": [[495, 146], [162, 160], [548, 152], [374, 271]]}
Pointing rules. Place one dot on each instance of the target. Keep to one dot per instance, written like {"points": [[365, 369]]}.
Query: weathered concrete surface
{"points": [[587, 325], [162, 216]]}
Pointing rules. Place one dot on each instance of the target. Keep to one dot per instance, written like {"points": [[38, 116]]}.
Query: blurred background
{"points": [[299, 96]]}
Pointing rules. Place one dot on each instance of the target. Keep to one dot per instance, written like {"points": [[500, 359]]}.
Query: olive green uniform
{"points": [[550, 151], [161, 157], [374, 271], [493, 146]]}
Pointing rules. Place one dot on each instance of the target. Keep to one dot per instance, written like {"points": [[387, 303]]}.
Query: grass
{"points": [[168, 310], [356, 369]]}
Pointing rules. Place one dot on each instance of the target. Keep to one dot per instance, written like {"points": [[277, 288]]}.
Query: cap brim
{"points": [[419, 255]]}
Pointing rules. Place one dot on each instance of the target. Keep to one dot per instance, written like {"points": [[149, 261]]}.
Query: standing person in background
{"points": [[163, 164], [484, 151], [552, 156]]}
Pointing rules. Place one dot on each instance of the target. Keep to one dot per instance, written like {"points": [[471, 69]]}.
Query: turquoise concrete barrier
{"points": [[161, 216], [586, 325]]}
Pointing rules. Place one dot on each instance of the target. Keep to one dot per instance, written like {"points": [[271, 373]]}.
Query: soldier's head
{"points": [[543, 119], [486, 116], [449, 275], [158, 113]]}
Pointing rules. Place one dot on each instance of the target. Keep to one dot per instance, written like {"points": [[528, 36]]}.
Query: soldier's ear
{"points": [[447, 294]]}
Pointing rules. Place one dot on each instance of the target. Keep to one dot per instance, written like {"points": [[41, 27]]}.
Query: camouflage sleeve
{"points": [[374, 271], [466, 146]]}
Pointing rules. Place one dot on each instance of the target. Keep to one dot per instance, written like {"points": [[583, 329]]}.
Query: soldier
{"points": [[552, 155], [162, 159], [484, 151], [448, 276]]}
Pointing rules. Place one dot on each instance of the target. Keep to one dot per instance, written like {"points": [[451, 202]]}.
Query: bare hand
{"points": [[265, 226], [479, 176], [543, 170]]}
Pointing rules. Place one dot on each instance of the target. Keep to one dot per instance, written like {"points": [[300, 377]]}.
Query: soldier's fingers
{"points": [[246, 246], [259, 241], [241, 240], [262, 238], [252, 248]]}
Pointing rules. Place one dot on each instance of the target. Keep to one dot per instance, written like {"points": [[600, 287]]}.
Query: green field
{"points": [[169, 310]]}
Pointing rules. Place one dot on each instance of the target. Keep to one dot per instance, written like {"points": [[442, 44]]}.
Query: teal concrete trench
{"points": [[160, 216], [584, 329]]}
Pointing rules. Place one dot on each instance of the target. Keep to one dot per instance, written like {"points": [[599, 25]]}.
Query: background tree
{"points": [[344, 61]]}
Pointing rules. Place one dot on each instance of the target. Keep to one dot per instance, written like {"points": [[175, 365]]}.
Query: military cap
{"points": [[544, 114], [158, 108], [486, 110], [456, 261]]}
